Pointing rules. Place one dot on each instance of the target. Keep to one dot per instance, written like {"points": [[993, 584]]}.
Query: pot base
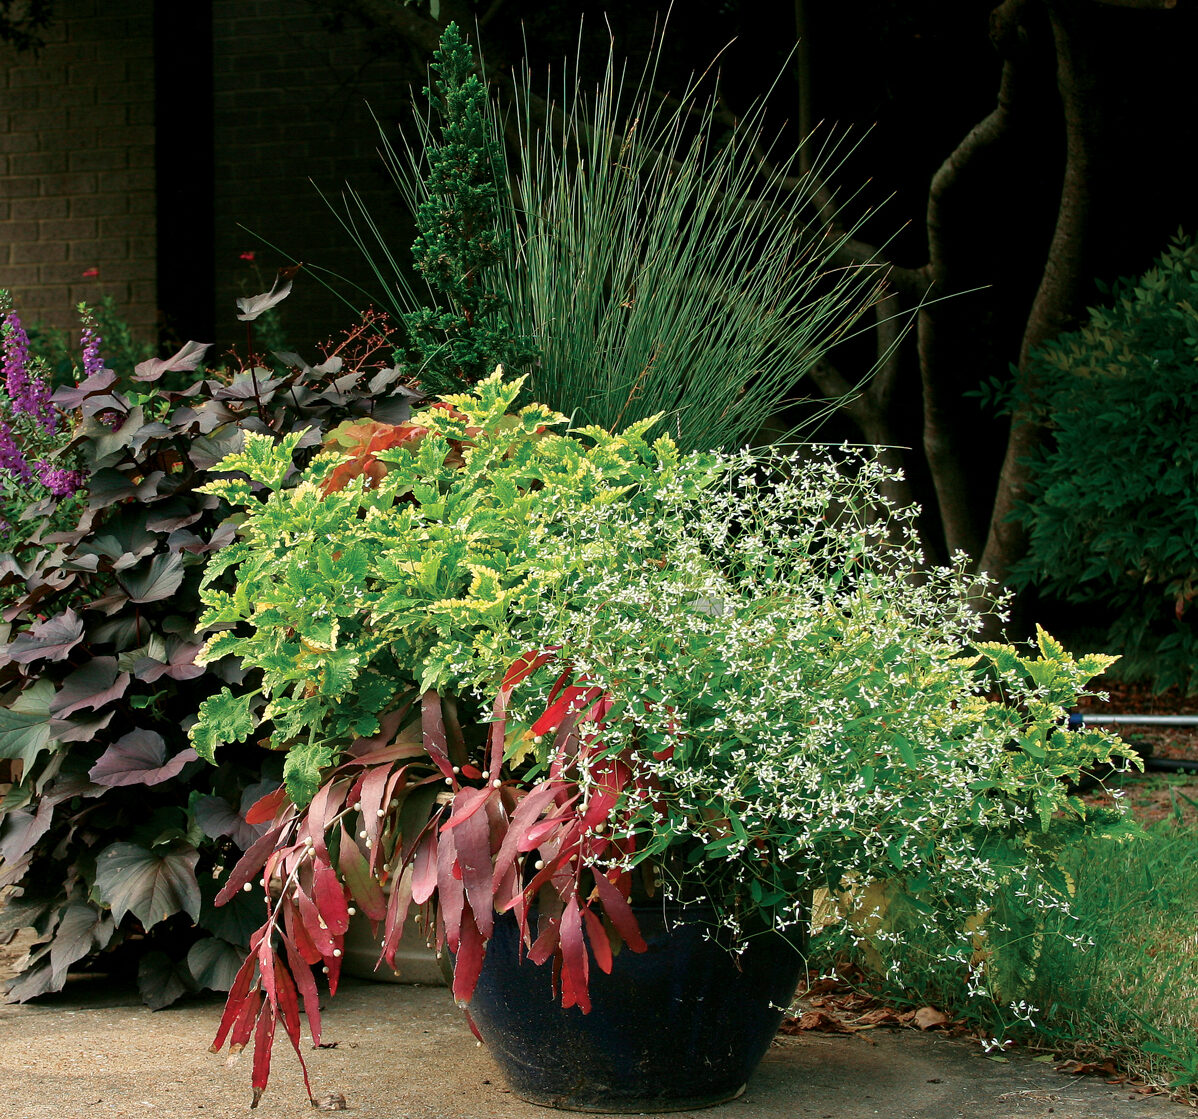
{"points": [[415, 961], [653, 1106]]}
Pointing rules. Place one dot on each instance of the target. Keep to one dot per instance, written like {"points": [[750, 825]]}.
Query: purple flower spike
{"points": [[16, 357], [60, 482], [39, 405], [92, 361], [11, 457], [28, 394]]}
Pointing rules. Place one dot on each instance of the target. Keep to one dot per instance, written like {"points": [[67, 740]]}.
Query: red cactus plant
{"points": [[382, 813]]}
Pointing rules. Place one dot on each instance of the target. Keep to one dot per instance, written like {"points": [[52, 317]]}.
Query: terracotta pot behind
{"points": [[415, 961]]}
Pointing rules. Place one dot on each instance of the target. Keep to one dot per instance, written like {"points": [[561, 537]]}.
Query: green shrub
{"points": [[460, 326], [1112, 513], [460, 342]]}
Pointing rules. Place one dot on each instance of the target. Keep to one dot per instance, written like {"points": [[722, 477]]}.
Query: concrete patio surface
{"points": [[94, 1052]]}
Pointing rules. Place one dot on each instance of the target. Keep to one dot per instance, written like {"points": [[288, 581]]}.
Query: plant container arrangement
{"points": [[604, 715]]}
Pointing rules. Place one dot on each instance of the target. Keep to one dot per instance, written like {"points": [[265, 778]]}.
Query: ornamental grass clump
{"points": [[520, 668], [633, 253]]}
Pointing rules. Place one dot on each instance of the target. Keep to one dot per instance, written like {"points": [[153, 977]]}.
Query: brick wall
{"points": [[77, 205], [291, 105]]}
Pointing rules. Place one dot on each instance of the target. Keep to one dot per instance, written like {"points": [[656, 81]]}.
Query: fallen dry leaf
{"points": [[850, 973], [882, 1016], [817, 1020], [1089, 1068], [929, 1018], [823, 986]]}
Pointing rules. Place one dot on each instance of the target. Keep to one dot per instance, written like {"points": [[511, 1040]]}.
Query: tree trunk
{"points": [[952, 338], [869, 406], [1060, 295]]}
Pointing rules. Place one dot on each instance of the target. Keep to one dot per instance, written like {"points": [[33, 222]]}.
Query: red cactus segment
{"points": [[263, 1041]]}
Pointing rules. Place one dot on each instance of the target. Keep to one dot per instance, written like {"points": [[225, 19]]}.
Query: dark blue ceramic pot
{"points": [[680, 1026]]}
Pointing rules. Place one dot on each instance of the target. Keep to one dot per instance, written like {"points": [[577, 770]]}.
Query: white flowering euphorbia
{"points": [[801, 690]]}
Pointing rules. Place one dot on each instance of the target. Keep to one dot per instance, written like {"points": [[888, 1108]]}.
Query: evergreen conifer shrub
{"points": [[467, 331]]}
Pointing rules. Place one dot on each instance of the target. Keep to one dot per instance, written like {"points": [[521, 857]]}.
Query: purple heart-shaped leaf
{"points": [[253, 305], [50, 640], [93, 684], [158, 581], [71, 397], [184, 361], [138, 758], [22, 829], [132, 879], [217, 817]]}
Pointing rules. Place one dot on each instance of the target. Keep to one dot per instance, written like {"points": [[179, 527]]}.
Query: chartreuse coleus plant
{"points": [[514, 668], [380, 595], [358, 593]]}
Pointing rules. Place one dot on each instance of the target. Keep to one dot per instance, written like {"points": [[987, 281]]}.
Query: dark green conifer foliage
{"points": [[1112, 504], [463, 340]]}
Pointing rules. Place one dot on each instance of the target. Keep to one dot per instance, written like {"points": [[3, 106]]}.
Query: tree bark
{"points": [[1060, 295], [948, 331]]}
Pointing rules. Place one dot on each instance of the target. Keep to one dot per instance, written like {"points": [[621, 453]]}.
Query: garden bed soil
{"points": [[1176, 743], [1152, 795]]}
